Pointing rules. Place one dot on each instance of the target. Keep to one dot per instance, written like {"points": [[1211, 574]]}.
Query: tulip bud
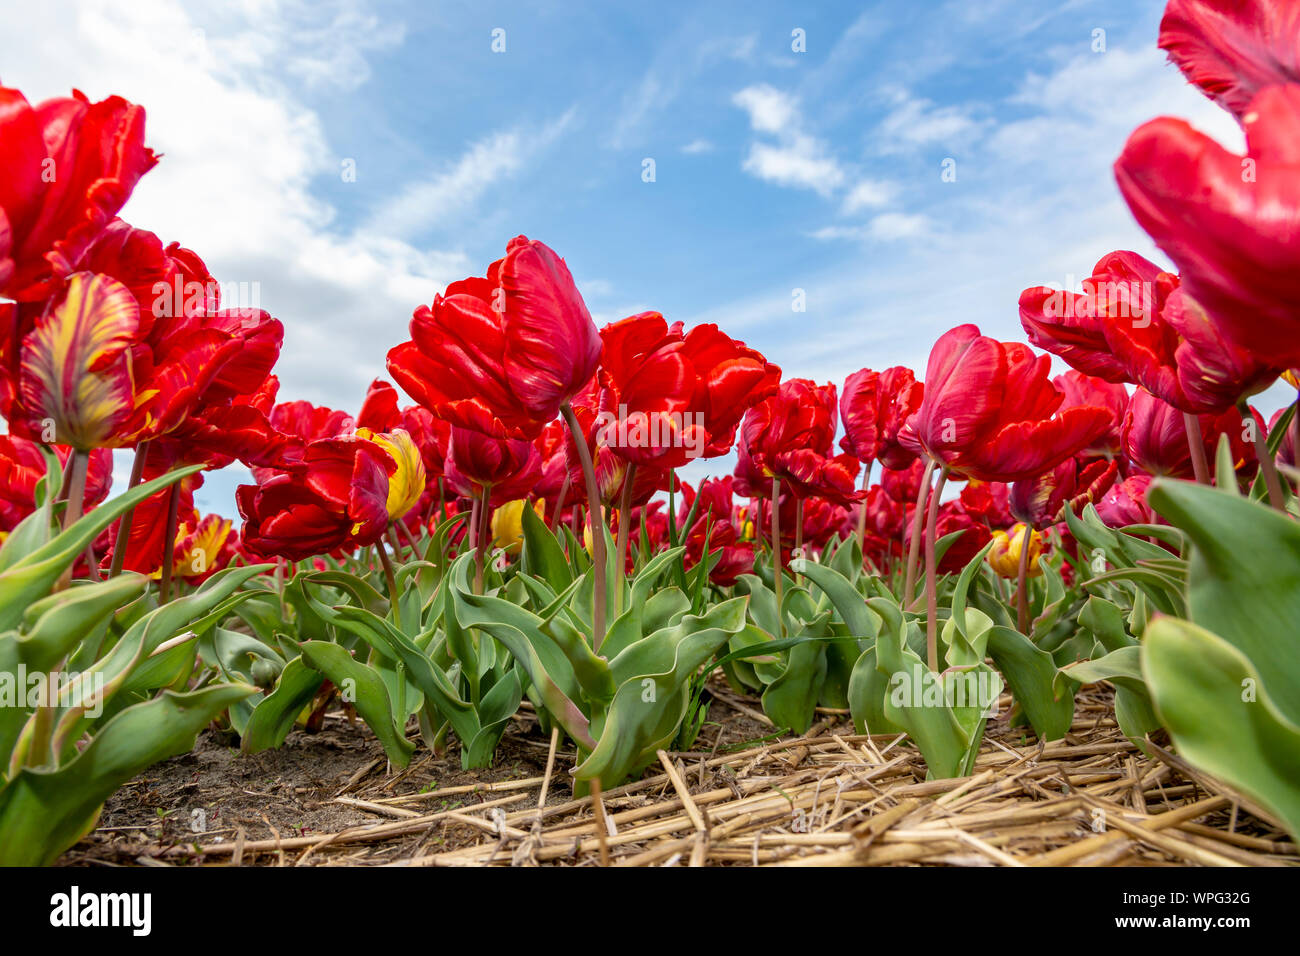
{"points": [[508, 524], [1004, 556]]}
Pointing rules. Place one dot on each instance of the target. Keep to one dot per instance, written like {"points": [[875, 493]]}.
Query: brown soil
{"points": [[743, 796], [214, 792]]}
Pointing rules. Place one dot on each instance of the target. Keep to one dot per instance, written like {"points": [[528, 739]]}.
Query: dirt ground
{"points": [[743, 796], [215, 792]]}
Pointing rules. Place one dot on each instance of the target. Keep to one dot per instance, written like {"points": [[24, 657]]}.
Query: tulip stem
{"points": [[169, 543], [475, 536], [798, 533], [918, 527], [862, 512], [559, 502], [78, 465], [1022, 579], [391, 580], [931, 592], [672, 507], [776, 554], [1266, 464], [624, 523], [597, 533], [124, 524], [1196, 445]]}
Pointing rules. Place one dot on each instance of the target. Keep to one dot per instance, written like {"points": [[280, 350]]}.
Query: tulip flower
{"points": [[1076, 482], [1088, 390], [203, 546], [337, 497], [505, 352], [1232, 49], [1008, 546], [990, 412], [988, 502], [874, 407], [508, 524], [1134, 323], [903, 484], [1126, 503], [1015, 554], [553, 487], [788, 438], [675, 395], [1229, 222], [66, 167], [1156, 441], [490, 472]]}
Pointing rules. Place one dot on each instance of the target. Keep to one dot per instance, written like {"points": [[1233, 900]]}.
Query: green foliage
{"points": [[114, 671]]}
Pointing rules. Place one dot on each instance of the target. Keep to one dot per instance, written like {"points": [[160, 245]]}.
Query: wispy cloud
{"points": [[432, 201], [796, 158]]}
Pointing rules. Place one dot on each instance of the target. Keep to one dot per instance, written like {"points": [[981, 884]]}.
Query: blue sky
{"points": [[774, 170]]}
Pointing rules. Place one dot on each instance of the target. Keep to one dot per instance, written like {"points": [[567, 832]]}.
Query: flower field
{"points": [[975, 613]]}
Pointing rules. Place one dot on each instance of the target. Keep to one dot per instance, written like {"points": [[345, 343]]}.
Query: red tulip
{"points": [[1155, 437], [1133, 323], [988, 502], [789, 437], [669, 396], [874, 406], [975, 534], [1126, 503], [336, 498], [1232, 49], [1042, 501], [380, 413], [503, 468], [502, 353], [989, 410], [66, 167], [885, 514], [594, 409], [903, 485], [1082, 390], [1231, 224]]}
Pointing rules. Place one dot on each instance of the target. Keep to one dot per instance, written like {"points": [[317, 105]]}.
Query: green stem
{"points": [[918, 528], [862, 512], [624, 520], [124, 525], [776, 554], [391, 580], [596, 517], [931, 590], [169, 542], [1266, 464], [1196, 445], [1022, 579]]}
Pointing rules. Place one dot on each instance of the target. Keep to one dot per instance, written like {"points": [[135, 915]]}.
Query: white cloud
{"points": [[800, 162], [797, 159], [886, 227], [868, 194], [433, 201], [697, 146], [770, 110], [915, 122]]}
